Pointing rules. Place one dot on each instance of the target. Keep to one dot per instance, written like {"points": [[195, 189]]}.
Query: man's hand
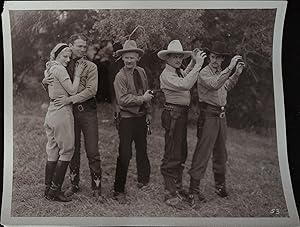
{"points": [[148, 118], [234, 61], [199, 57], [62, 101], [239, 68], [147, 96]]}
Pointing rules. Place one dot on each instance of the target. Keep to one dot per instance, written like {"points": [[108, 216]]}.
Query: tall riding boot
{"points": [[74, 176], [96, 185], [55, 192], [194, 192], [49, 171], [220, 185]]}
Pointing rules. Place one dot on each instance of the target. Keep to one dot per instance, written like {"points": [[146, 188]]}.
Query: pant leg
{"points": [[208, 130], [184, 152], [75, 161], [220, 154], [89, 126], [140, 140], [173, 124], [59, 125], [52, 149], [125, 153]]}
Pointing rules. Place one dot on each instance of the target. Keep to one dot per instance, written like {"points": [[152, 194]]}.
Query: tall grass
{"points": [[253, 177]]}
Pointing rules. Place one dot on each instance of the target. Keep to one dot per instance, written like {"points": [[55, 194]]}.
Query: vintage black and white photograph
{"points": [[165, 110]]}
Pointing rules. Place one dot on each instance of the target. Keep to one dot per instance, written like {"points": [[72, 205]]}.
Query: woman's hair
{"points": [[57, 50]]}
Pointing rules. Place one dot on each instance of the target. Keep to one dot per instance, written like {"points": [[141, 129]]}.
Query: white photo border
{"points": [[280, 7]]}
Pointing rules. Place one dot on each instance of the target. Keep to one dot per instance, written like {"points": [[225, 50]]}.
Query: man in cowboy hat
{"points": [[176, 85], [213, 85], [133, 99]]}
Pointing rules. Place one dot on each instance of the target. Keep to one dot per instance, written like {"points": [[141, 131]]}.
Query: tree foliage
{"points": [[248, 32]]}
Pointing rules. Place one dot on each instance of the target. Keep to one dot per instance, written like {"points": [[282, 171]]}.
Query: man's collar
{"points": [[170, 68], [214, 71]]}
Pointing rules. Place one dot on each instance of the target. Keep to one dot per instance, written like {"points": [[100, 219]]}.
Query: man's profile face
{"points": [[174, 60], [78, 48], [215, 61], [130, 59]]}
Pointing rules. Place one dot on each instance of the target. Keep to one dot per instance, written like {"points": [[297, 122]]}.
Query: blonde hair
{"points": [[57, 50]]}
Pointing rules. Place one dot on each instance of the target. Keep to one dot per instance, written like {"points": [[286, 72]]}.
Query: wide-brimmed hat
{"points": [[130, 46], [218, 48], [174, 47]]}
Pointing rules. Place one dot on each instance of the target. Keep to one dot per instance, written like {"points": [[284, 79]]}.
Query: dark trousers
{"points": [[86, 121], [211, 141], [175, 125], [132, 129]]}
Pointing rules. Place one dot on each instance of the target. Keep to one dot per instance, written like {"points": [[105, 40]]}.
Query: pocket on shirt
{"points": [[202, 90]]}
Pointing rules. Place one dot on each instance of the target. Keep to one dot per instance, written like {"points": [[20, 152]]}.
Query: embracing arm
{"points": [[91, 87]]}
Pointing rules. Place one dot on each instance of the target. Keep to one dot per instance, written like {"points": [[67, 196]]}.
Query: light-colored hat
{"points": [[130, 46], [174, 47]]}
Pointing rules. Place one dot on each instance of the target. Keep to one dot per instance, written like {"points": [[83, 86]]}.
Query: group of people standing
{"points": [[71, 82]]}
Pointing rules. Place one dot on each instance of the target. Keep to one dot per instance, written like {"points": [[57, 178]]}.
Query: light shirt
{"points": [[175, 88], [214, 85]]}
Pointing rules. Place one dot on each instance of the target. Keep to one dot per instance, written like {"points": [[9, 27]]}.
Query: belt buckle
{"points": [[222, 115], [80, 107]]}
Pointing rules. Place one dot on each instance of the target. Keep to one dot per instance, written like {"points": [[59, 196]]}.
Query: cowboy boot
{"points": [[96, 185], [49, 170], [55, 192], [74, 177], [195, 196], [220, 186]]}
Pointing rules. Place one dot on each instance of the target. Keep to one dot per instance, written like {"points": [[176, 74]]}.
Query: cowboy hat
{"points": [[130, 46], [218, 48], [174, 47]]}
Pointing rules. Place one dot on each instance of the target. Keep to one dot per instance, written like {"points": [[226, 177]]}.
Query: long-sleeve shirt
{"points": [[88, 83], [213, 86], [175, 88], [127, 97], [59, 74]]}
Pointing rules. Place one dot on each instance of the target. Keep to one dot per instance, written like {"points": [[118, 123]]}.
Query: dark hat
{"points": [[218, 48], [130, 46]]}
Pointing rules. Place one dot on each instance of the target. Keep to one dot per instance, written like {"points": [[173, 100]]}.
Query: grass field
{"points": [[253, 177]]}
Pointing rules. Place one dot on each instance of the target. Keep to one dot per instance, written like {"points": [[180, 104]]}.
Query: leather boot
{"points": [[220, 186], [49, 171], [74, 177], [96, 185], [55, 192], [195, 196]]}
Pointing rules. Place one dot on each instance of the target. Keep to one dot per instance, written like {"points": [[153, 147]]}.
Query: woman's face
{"points": [[64, 56]]}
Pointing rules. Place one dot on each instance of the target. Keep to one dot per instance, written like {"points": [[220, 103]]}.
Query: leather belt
{"points": [[211, 110], [86, 105], [176, 107]]}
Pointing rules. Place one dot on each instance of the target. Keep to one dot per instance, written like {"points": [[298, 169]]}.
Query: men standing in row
{"points": [[213, 85], [85, 117], [176, 85], [133, 100]]}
